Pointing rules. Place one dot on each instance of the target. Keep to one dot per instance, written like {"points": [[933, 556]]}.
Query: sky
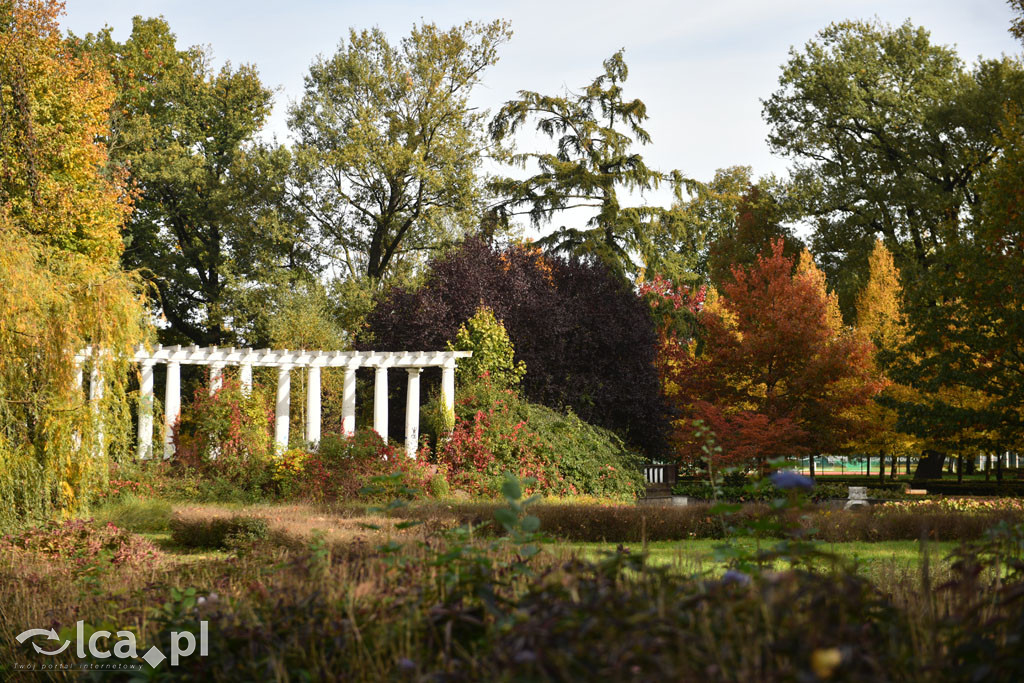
{"points": [[701, 67]]}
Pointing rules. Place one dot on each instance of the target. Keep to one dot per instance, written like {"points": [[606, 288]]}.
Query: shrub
{"points": [[586, 338], [226, 438], [497, 432], [493, 352], [218, 532], [85, 543], [343, 465], [752, 493]]}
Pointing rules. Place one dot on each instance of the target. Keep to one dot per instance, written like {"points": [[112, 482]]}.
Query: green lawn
{"points": [[699, 555]]}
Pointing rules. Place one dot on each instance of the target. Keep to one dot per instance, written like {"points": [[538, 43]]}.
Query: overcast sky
{"points": [[702, 68]]}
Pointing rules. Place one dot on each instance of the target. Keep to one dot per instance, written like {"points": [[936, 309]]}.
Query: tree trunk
{"points": [[892, 468], [868, 474], [929, 465], [908, 465], [881, 467], [999, 466], [960, 468], [810, 469]]}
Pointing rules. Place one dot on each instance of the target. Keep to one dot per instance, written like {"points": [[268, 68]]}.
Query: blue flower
{"points": [[792, 480], [735, 576]]}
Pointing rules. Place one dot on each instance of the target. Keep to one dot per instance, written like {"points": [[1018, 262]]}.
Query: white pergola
{"points": [[285, 361]]}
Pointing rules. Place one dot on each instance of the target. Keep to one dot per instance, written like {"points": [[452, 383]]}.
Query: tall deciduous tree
{"points": [[62, 287], [211, 230], [880, 317], [777, 373], [388, 146], [888, 133], [594, 132]]}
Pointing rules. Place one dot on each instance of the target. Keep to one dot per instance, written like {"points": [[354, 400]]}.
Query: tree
{"points": [[388, 147], [881, 319], [594, 133], [758, 218], [888, 134], [586, 338], [493, 351], [964, 346], [211, 230], [776, 372], [60, 217]]}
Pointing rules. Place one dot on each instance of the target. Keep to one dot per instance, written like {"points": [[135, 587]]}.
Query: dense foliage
{"points": [[587, 340], [61, 288], [775, 374], [496, 432]]}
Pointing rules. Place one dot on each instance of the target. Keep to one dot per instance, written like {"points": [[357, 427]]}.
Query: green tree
{"points": [[887, 133], [212, 230], [493, 351], [594, 132], [754, 220], [388, 147]]}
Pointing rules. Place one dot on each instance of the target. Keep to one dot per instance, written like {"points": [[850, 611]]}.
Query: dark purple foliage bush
{"points": [[587, 339]]}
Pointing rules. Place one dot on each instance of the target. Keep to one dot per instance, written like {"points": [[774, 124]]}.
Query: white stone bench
{"points": [[858, 497]]}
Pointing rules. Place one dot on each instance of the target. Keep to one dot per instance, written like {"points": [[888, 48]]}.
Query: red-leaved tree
{"points": [[771, 369]]}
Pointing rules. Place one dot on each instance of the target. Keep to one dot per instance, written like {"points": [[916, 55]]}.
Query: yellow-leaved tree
{"points": [[880, 318], [61, 285]]}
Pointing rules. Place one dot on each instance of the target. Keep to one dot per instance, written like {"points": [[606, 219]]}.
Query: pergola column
{"points": [[380, 401], [284, 397], [313, 405], [245, 378], [172, 405], [216, 378], [145, 445], [348, 402], [96, 398], [412, 413], [448, 385]]}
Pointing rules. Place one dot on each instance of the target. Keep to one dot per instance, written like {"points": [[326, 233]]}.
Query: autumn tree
{"points": [[881, 319], [888, 133], [388, 147], [212, 230], [775, 373], [592, 166], [60, 218]]}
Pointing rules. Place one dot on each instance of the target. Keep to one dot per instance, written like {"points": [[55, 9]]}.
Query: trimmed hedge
{"points": [[634, 524]]}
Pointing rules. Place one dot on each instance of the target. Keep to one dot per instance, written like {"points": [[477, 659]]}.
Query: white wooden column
{"points": [[245, 378], [216, 378], [145, 442], [448, 385], [380, 401], [313, 405], [348, 402], [412, 413], [96, 399], [172, 405], [284, 398]]}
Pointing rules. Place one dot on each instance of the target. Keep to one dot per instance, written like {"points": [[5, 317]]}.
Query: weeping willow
{"points": [[61, 285]]}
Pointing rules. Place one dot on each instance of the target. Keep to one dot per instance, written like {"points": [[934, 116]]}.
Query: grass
{"points": [[359, 610], [702, 555]]}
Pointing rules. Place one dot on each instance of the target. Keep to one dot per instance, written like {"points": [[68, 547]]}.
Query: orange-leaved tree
{"points": [[62, 286], [772, 371]]}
